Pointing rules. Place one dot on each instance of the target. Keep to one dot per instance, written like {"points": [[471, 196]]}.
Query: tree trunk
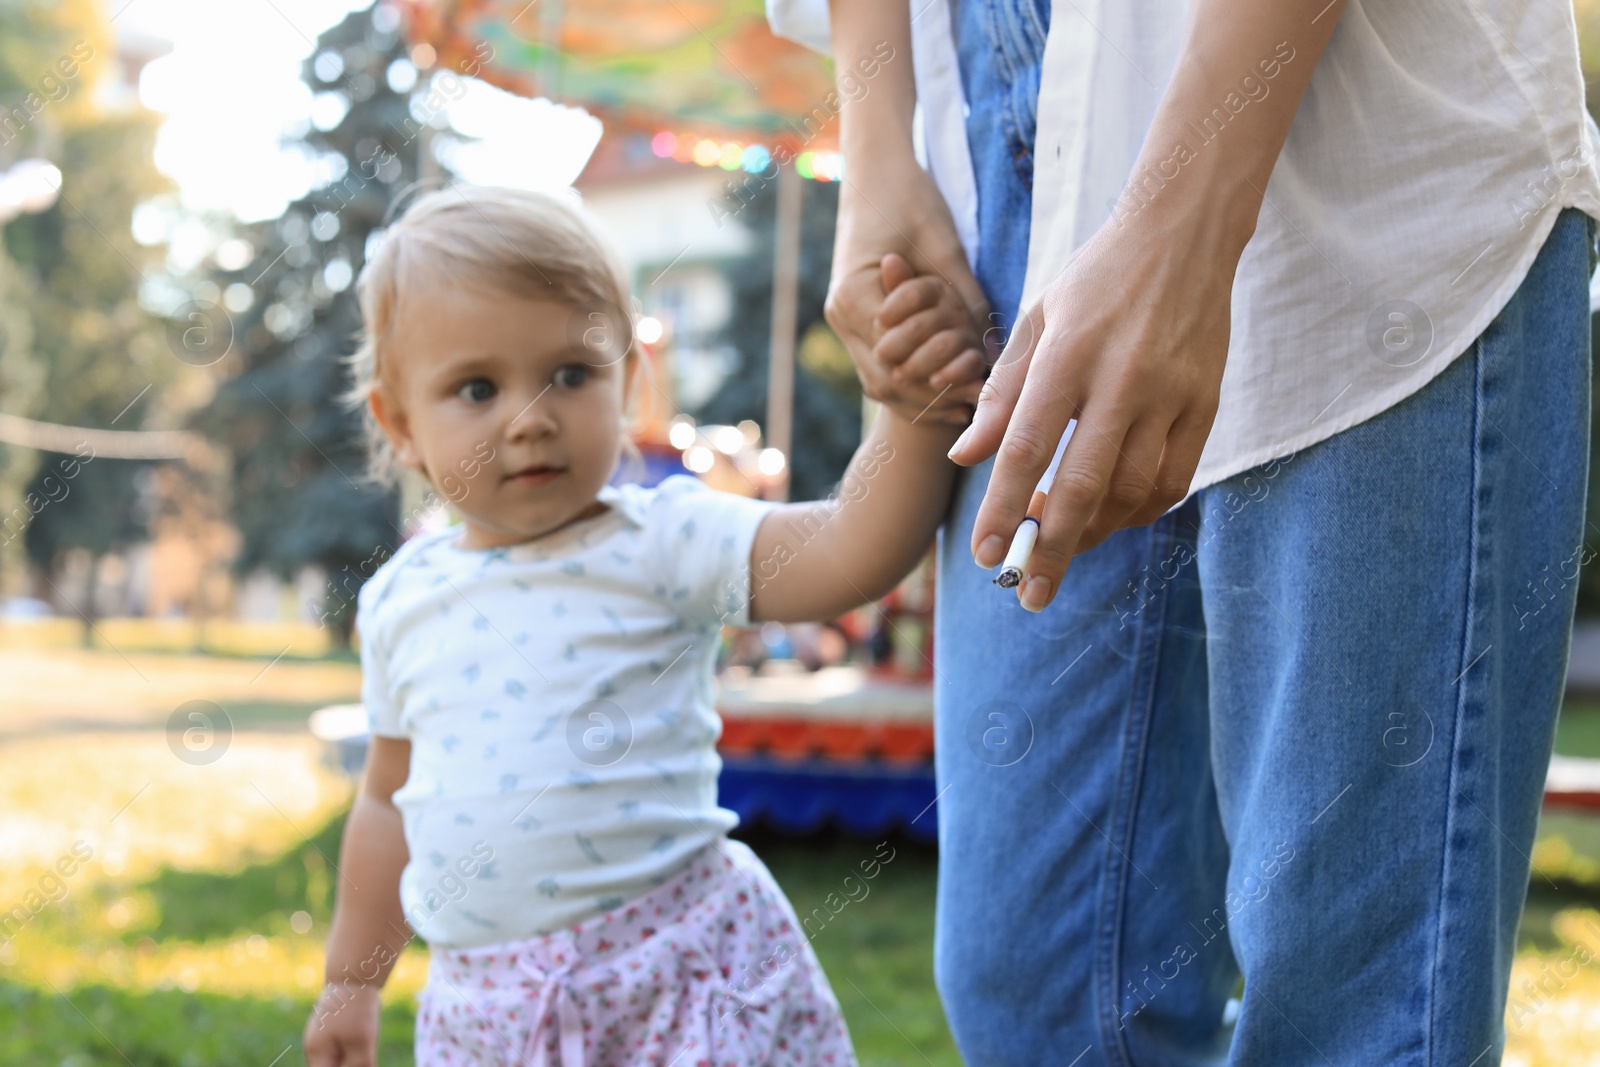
{"points": [[91, 588]]}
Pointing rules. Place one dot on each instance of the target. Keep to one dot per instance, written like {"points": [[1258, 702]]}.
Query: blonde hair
{"points": [[520, 243]]}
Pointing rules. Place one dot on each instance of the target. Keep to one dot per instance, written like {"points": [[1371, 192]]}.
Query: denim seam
{"points": [[1009, 67], [1008, 77], [1451, 806], [1124, 808]]}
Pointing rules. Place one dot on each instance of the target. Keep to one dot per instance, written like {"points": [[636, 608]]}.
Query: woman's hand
{"points": [[897, 210], [1130, 339]]}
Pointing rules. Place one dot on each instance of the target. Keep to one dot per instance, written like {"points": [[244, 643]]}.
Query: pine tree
{"points": [[300, 495], [827, 395]]}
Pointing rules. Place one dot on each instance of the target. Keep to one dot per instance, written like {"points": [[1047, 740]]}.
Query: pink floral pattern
{"points": [[709, 969]]}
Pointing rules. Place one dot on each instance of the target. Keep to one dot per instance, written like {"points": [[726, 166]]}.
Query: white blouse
{"points": [[1434, 147]]}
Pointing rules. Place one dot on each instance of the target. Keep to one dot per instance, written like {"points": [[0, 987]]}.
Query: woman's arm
{"points": [[888, 203], [814, 561], [1131, 338]]}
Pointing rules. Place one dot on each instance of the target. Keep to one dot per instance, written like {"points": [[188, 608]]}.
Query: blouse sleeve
{"points": [[383, 712], [702, 539]]}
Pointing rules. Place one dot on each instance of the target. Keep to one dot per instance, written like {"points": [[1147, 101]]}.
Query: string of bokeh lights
{"points": [[752, 158]]}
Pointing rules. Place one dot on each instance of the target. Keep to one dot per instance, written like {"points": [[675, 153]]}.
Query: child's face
{"points": [[498, 400]]}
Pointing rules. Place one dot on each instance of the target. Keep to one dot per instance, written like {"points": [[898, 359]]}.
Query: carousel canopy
{"points": [[700, 68]]}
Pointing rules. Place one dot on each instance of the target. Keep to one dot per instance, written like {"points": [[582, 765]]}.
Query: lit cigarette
{"points": [[1022, 543]]}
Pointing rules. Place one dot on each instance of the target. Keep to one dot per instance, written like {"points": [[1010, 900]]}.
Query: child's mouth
{"points": [[535, 475]]}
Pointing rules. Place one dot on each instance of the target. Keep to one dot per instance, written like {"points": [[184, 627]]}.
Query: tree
{"points": [[297, 460], [827, 395], [92, 348]]}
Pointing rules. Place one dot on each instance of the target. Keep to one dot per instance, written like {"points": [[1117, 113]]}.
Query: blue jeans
{"points": [[1296, 728]]}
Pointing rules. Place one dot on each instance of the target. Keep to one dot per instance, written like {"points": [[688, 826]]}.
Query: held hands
{"points": [[343, 1028], [926, 338], [1130, 340], [892, 209]]}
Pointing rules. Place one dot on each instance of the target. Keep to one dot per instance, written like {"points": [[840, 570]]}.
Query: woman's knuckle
{"points": [[833, 314], [1049, 558], [1079, 487], [1022, 446], [1171, 488], [1125, 494]]}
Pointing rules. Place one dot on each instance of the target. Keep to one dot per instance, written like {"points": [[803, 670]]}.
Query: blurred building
{"points": [[135, 46], [669, 222]]}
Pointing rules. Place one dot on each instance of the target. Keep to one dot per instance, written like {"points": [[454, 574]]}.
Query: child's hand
{"points": [[927, 334], [343, 1028]]}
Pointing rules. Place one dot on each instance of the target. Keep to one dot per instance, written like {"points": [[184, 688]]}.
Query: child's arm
{"points": [[815, 561], [369, 928]]}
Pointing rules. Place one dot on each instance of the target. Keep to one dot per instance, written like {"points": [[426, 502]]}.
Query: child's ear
{"points": [[392, 418]]}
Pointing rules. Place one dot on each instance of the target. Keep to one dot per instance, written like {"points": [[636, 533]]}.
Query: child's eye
{"points": [[572, 375], [476, 391]]}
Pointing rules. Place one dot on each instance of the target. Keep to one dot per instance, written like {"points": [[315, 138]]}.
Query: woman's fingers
{"points": [[998, 398], [1133, 480], [968, 289], [1075, 495], [1186, 439], [1028, 439]]}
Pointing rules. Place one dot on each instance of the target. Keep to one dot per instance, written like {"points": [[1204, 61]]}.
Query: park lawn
{"points": [[193, 936]]}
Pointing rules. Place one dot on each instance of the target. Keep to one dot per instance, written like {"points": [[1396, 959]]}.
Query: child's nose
{"points": [[536, 418]]}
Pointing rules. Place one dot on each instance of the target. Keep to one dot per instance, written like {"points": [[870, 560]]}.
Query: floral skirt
{"points": [[708, 969]]}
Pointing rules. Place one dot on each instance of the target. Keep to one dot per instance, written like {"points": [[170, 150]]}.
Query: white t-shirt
{"points": [[558, 698], [1428, 159]]}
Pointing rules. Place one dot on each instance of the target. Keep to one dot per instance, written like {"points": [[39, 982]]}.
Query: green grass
{"points": [[100, 1026], [207, 905], [876, 951], [1578, 729]]}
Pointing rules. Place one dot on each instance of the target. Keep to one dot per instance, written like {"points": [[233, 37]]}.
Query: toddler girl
{"points": [[540, 798]]}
